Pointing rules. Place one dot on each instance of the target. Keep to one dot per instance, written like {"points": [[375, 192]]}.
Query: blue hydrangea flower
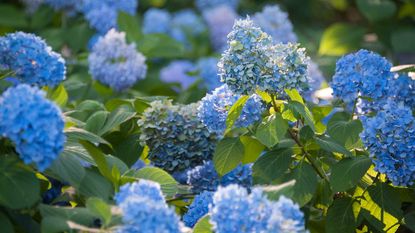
{"points": [[31, 59], [144, 209], [208, 71], [176, 138], [177, 72], [115, 63], [203, 5], [246, 61], [186, 23], [198, 208], [363, 73], [286, 217], [156, 21], [390, 138], [219, 21], [315, 81], [102, 14], [214, 108], [205, 177], [234, 210], [33, 123], [402, 88], [275, 23]]}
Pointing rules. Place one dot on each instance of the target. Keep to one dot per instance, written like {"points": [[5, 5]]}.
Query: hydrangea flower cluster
{"points": [[205, 177], [203, 5], [402, 89], [102, 14], [214, 108], [71, 6], [219, 21], [234, 210], [184, 23], [390, 137], [156, 21], [31, 59], [144, 209], [363, 73], [275, 22], [115, 63], [177, 72], [198, 208], [208, 71], [175, 136], [252, 62], [315, 80], [33, 123]]}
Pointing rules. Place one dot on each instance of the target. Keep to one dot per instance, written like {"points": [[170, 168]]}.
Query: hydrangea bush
{"points": [[207, 116]]}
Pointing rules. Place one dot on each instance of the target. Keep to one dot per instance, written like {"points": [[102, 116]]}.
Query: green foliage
{"points": [[228, 155], [271, 130], [340, 38]]}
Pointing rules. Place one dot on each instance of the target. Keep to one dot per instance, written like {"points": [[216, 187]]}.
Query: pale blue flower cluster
{"points": [[275, 22], [205, 177], [219, 21], [145, 210], [214, 108], [156, 21], [31, 60], [184, 24], [102, 14], [235, 210], [390, 138], [178, 72], [198, 208], [33, 123], [361, 74], [402, 89], [208, 71], [115, 63], [203, 5], [69, 5], [315, 80], [176, 138], [252, 62]]}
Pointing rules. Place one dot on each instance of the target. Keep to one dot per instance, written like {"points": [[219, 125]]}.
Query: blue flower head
{"points": [[402, 89], [214, 108], [390, 138], [144, 209], [275, 23], [177, 72], [156, 21], [198, 208], [31, 59], [176, 138], [219, 21], [186, 23], [115, 63], [286, 217], [363, 73], [208, 71], [203, 5], [33, 123], [205, 177], [102, 14]]}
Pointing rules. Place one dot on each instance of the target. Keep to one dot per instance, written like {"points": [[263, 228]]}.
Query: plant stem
{"points": [[274, 104]]}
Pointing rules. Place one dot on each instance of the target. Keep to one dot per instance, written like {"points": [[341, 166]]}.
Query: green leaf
{"points": [[302, 110], [387, 199], [130, 25], [100, 159], [59, 95], [274, 192], [5, 225], [96, 121], [340, 38], [129, 149], [78, 215], [235, 112], [273, 164], [409, 220], [228, 155], [68, 168], [160, 46], [340, 217], [116, 118], [19, 187], [344, 131], [348, 172], [168, 184], [253, 149], [399, 38], [81, 134], [376, 10], [305, 183], [271, 130], [10, 16], [330, 145], [95, 185], [54, 225], [203, 225], [294, 95], [99, 208]]}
